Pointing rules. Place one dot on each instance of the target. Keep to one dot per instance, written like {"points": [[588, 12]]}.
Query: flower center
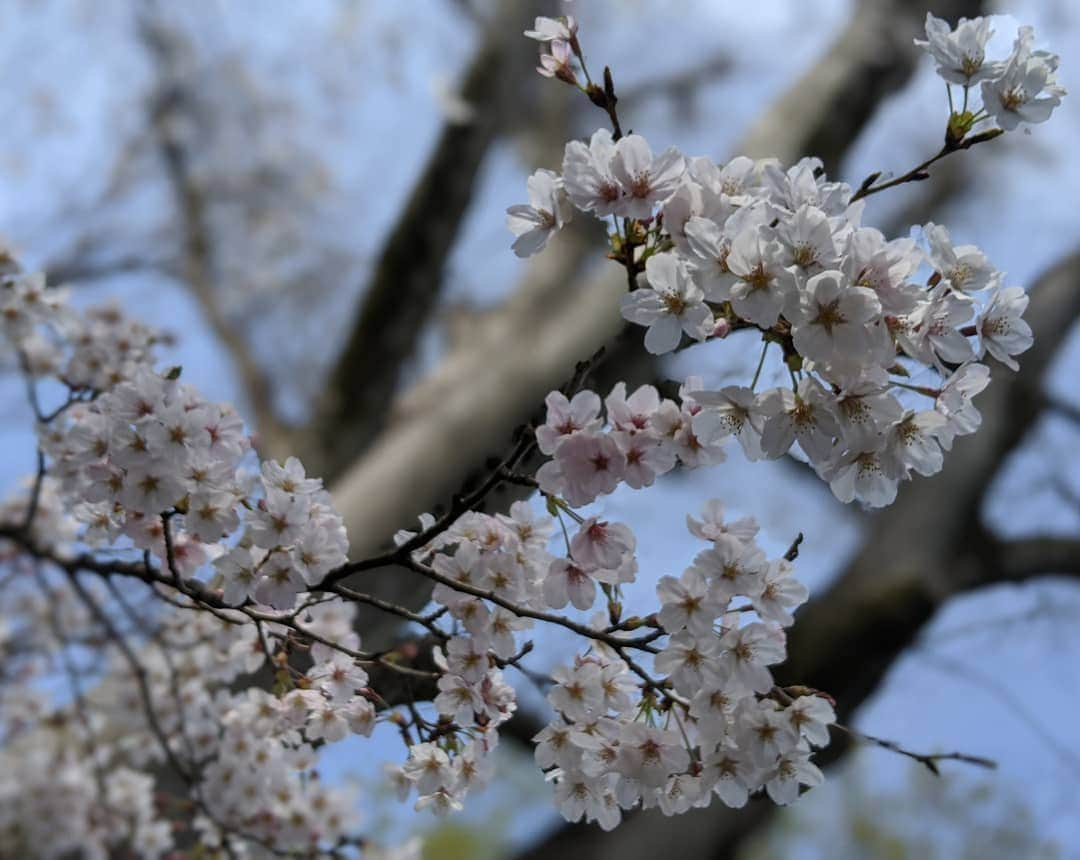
{"points": [[829, 316]]}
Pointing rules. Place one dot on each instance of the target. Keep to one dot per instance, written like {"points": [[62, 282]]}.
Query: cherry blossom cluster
{"points": [[83, 776], [613, 743], [496, 574], [50, 804], [87, 352], [506, 557], [645, 436], [1022, 88], [257, 749], [85, 781], [712, 722], [883, 367], [145, 464], [138, 460], [150, 456]]}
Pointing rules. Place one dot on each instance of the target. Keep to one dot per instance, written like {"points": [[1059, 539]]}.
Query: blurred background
{"points": [[310, 198]]}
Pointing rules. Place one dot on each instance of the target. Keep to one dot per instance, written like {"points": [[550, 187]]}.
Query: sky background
{"points": [[349, 97]]}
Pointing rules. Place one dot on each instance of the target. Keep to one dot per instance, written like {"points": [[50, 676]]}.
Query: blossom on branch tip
{"points": [[960, 54], [558, 63], [553, 29], [1027, 90]]}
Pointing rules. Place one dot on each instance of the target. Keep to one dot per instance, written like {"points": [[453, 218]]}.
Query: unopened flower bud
{"points": [[557, 63], [722, 328]]}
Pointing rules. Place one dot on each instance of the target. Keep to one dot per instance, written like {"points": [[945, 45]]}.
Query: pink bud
{"points": [[722, 328]]}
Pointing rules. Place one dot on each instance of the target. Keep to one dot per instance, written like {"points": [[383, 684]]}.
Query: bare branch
{"points": [[956, 669], [78, 268], [1025, 558], [927, 760], [871, 185]]}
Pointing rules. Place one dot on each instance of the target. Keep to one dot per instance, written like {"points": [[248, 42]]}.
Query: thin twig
{"points": [[919, 173], [927, 760]]}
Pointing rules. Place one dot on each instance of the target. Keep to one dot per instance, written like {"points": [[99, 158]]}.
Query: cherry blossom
{"points": [[673, 305], [553, 29], [602, 544], [762, 288], [646, 181], [566, 417], [961, 53], [567, 582], [547, 212], [1027, 90], [834, 321], [864, 473], [1003, 333], [588, 177], [586, 465]]}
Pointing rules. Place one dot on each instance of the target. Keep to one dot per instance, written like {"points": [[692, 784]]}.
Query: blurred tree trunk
{"points": [[499, 88]]}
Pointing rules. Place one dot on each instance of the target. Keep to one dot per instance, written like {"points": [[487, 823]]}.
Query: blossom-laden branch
{"points": [[140, 478], [850, 634], [752, 246], [148, 461]]}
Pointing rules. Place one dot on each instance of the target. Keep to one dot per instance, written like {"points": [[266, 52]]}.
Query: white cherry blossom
{"points": [[646, 181], [965, 267], [960, 53], [1027, 90], [835, 321], [588, 177], [673, 305], [1002, 331], [762, 288], [547, 212]]}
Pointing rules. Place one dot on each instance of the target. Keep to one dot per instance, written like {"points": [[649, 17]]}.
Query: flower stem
{"points": [[760, 364]]}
